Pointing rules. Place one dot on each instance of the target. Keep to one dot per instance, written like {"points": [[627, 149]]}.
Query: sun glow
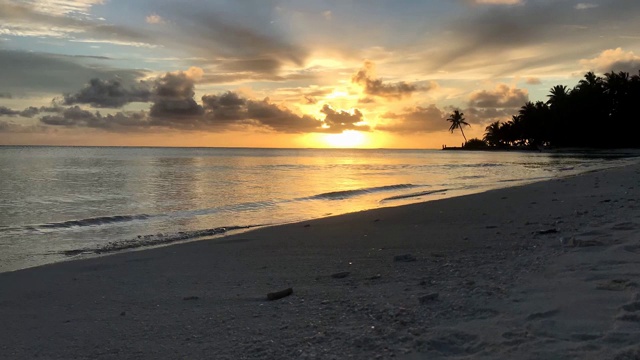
{"points": [[346, 139]]}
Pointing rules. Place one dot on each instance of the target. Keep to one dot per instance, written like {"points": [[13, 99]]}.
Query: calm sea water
{"points": [[62, 202]]}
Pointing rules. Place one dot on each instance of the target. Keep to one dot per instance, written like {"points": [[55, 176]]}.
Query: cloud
{"points": [[375, 87], [585, 6], [154, 19], [279, 119], [499, 2], [77, 117], [484, 115], [22, 72], [533, 81], [32, 19], [109, 94], [501, 97], [234, 45], [29, 112], [497, 104], [5, 111], [13, 128], [419, 119], [366, 100], [339, 121], [613, 60], [173, 107], [5, 95], [61, 7], [527, 37], [229, 109], [173, 94]]}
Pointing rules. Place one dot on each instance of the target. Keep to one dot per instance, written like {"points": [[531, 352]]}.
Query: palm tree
{"points": [[457, 122], [558, 95], [492, 134]]}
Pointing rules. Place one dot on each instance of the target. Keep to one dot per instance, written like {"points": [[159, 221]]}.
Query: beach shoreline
{"points": [[544, 270]]}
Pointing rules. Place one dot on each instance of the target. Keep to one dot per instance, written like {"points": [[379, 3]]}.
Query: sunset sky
{"points": [[293, 73]]}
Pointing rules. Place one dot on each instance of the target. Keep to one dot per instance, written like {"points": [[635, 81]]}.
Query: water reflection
{"points": [[194, 189]]}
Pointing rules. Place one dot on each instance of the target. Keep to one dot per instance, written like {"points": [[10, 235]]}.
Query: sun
{"points": [[346, 139]]}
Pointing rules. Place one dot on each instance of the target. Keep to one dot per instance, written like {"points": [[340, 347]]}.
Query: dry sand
{"points": [[544, 271]]}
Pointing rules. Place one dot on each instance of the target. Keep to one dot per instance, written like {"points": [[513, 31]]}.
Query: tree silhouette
{"points": [[558, 95], [492, 134], [457, 122], [599, 112]]}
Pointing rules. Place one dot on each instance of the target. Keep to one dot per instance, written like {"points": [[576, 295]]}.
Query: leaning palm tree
{"points": [[457, 122]]}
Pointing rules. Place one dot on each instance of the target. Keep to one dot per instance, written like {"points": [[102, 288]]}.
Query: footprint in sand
{"points": [[455, 342], [543, 315], [628, 354], [625, 226], [633, 248], [616, 285]]}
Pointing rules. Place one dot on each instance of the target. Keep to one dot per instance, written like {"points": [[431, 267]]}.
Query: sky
{"points": [[293, 73]]}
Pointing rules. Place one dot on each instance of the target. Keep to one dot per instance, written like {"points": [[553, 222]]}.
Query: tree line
{"points": [[599, 112]]}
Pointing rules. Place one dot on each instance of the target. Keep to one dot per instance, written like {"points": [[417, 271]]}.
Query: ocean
{"points": [[59, 203]]}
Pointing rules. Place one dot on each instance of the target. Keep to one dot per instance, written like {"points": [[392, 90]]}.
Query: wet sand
{"points": [[543, 271]]}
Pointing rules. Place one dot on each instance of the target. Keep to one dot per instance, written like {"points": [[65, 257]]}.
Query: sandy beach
{"points": [[543, 271]]}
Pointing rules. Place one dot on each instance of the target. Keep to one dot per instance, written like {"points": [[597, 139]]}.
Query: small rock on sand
{"points": [[279, 294], [340, 275], [547, 231], [428, 298], [404, 258]]}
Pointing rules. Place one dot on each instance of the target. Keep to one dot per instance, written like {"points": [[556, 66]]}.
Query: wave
{"points": [[78, 223], [94, 221], [471, 177], [479, 165], [345, 194], [407, 196], [154, 240]]}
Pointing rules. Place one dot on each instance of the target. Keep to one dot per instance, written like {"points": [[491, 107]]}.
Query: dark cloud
{"points": [[76, 117], [225, 107], [343, 120], [5, 111], [5, 95], [418, 119], [502, 97], [175, 108], [31, 111], [264, 113], [109, 94], [230, 109], [533, 81], [376, 87], [28, 112], [173, 96]]}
